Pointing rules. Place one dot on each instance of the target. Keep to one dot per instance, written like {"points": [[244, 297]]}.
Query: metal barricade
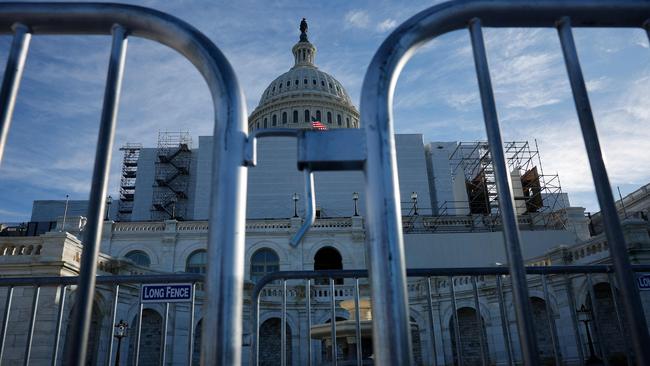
{"points": [[115, 283], [438, 287], [385, 238], [226, 261]]}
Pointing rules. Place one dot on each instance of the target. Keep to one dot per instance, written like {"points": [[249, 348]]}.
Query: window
{"points": [[329, 117], [138, 257], [288, 83], [296, 82], [258, 125], [347, 121], [295, 116], [263, 262], [284, 118], [314, 81], [197, 262], [330, 85], [305, 82], [273, 87], [322, 83], [328, 258], [274, 120], [318, 116], [266, 123], [279, 85], [338, 119], [307, 115]]}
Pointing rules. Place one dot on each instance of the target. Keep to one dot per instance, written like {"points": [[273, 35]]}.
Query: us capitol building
{"points": [[158, 224]]}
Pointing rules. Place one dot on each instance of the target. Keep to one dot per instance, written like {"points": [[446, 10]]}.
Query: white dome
{"points": [[302, 93]]}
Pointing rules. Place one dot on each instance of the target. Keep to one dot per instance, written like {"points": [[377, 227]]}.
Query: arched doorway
{"points": [[271, 343], [328, 258], [470, 337], [150, 339], [417, 343], [93, 335], [542, 331], [196, 348], [614, 339]]}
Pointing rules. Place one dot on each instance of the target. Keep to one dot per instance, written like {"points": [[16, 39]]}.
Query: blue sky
{"points": [[51, 144]]}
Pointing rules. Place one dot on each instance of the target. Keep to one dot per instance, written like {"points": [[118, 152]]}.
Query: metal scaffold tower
{"points": [[127, 182], [537, 195], [174, 156]]}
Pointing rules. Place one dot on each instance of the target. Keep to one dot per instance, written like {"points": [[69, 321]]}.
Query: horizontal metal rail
{"points": [[544, 273], [385, 249], [228, 199]]}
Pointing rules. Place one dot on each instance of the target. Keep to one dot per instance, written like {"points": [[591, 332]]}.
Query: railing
{"points": [[390, 314], [61, 286], [228, 193], [440, 293]]}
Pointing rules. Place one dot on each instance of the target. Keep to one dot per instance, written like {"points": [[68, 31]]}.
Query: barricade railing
{"points": [[437, 294], [386, 260], [225, 274], [114, 285]]}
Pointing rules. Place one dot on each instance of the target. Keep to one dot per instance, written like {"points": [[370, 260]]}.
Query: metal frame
{"points": [[226, 261], [385, 249], [448, 274]]}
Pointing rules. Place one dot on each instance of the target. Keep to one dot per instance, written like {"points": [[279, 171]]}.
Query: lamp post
{"points": [[355, 198], [295, 198], [585, 315], [109, 201], [120, 332], [414, 198]]}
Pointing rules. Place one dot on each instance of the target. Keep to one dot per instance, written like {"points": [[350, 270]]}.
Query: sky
{"points": [[52, 141]]}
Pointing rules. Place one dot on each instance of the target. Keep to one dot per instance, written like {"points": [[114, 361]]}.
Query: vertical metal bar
{"points": [[256, 332], [190, 345], [506, 203], [164, 336], [574, 318], [308, 300], [357, 316], [619, 319], [551, 321], [137, 336], [5, 320], [454, 311], [434, 355], [479, 321], [283, 335], [32, 322], [596, 322], [505, 323], [442, 336], [613, 231], [59, 321], [333, 322], [116, 294], [81, 316], [11, 81]]}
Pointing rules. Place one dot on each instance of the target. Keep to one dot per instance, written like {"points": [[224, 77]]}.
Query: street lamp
{"points": [[414, 198], [295, 198], [109, 200], [120, 332], [585, 315], [355, 198]]}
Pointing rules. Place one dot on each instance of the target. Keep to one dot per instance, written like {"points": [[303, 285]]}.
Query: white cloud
{"points": [[386, 25], [357, 19]]}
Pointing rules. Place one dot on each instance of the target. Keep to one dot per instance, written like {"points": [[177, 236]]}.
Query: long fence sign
{"points": [[178, 292]]}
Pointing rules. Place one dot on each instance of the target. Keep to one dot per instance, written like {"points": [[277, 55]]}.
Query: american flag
{"points": [[317, 125]]}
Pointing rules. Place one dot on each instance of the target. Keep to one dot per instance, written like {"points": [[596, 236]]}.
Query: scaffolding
{"points": [[537, 196], [172, 176], [127, 181]]}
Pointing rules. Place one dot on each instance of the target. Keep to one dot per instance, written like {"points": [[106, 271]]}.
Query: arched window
{"points": [[328, 258], [307, 115], [270, 338], [338, 119], [150, 338], [266, 122], [197, 262], [288, 83], [329, 117], [347, 121], [139, 257], [318, 116], [295, 116], [314, 81], [263, 262], [284, 118], [305, 81], [258, 125], [274, 120], [322, 83], [296, 82], [472, 336]]}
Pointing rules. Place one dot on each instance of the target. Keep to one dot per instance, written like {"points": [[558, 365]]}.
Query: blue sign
{"points": [[643, 282], [178, 292]]}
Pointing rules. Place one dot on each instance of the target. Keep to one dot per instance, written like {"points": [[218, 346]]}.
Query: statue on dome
{"points": [[303, 26]]}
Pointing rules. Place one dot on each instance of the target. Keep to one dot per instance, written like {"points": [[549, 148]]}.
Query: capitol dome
{"points": [[304, 94]]}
